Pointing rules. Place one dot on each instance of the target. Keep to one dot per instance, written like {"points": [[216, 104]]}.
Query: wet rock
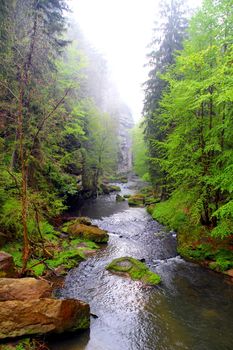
{"points": [[114, 188], [87, 232], [151, 200], [7, 266], [119, 198], [41, 316], [134, 269], [24, 288], [107, 188], [82, 220], [137, 200]]}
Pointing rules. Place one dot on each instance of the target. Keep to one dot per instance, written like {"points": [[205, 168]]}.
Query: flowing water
{"points": [[191, 309]]}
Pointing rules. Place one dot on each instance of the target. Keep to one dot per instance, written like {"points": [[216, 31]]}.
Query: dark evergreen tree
{"points": [[168, 36]]}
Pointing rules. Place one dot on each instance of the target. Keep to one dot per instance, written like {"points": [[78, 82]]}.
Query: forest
{"points": [[59, 126], [98, 207], [187, 128]]}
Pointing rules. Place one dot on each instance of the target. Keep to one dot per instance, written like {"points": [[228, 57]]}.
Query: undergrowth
{"points": [[195, 241]]}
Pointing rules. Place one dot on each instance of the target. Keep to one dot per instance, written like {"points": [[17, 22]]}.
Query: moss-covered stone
{"points": [[114, 188], [123, 178], [119, 198], [150, 208], [137, 200], [87, 232], [151, 200], [134, 269], [80, 220], [107, 188]]}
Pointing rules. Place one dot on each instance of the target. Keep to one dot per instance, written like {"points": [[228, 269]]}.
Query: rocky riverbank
{"points": [[27, 305]]}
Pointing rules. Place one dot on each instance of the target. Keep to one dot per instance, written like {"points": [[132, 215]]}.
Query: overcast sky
{"points": [[121, 30]]}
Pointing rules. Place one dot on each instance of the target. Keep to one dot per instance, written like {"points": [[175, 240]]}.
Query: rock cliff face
{"points": [[126, 123]]}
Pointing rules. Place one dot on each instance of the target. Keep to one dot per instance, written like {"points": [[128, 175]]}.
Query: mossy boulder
{"points": [[151, 200], [107, 188], [150, 208], [87, 232], [134, 269], [137, 200], [119, 198], [127, 196], [82, 220], [114, 188], [121, 178]]}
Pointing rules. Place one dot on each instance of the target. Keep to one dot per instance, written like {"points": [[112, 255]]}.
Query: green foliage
{"points": [[88, 244], [67, 133], [167, 40], [172, 212], [139, 153], [68, 259], [190, 126], [15, 249], [39, 269], [10, 215]]}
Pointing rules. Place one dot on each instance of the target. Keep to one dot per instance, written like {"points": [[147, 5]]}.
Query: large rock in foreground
{"points": [[135, 269], [24, 289], [87, 232], [7, 266], [42, 316]]}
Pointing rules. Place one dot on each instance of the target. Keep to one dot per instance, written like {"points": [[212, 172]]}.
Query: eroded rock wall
{"points": [[126, 124]]}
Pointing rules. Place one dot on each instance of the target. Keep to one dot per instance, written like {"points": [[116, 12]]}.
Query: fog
{"points": [[121, 30]]}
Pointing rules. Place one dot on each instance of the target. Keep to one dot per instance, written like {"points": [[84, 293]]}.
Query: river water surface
{"points": [[191, 309]]}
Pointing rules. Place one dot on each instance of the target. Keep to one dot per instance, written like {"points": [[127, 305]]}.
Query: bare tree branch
{"points": [[7, 87], [46, 117]]}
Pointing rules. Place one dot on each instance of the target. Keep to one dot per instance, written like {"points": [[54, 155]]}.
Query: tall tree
{"points": [[198, 113], [35, 28], [168, 36]]}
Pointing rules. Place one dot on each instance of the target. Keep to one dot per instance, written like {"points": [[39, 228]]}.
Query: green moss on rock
{"points": [[119, 198], [137, 200], [87, 232], [134, 269]]}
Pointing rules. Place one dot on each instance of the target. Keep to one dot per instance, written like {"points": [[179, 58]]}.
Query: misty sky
{"points": [[121, 30]]}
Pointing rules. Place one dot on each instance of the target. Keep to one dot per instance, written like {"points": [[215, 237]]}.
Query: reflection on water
{"points": [[192, 308]]}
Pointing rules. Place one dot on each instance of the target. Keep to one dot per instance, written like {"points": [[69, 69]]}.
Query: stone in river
{"points": [[134, 269]]}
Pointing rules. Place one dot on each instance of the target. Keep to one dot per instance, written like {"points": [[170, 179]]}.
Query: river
{"points": [[191, 309]]}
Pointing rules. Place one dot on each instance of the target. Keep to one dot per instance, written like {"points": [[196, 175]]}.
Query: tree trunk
{"points": [[24, 197]]}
